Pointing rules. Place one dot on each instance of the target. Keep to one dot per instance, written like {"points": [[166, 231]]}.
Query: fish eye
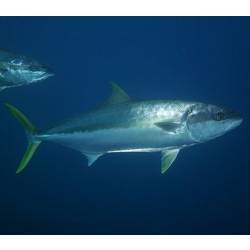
{"points": [[219, 116]]}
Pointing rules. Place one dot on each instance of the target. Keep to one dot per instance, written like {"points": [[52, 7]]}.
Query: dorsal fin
{"points": [[118, 95]]}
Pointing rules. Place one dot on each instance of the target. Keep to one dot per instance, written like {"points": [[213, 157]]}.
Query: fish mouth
{"points": [[46, 75], [39, 76], [49, 74], [44, 72], [234, 119], [234, 116], [237, 121]]}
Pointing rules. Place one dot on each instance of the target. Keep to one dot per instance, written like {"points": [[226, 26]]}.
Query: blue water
{"points": [[206, 191]]}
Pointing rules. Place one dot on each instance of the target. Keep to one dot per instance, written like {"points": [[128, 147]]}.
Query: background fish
{"points": [[18, 70], [122, 125]]}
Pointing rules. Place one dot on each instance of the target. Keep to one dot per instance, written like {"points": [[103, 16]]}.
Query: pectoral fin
{"points": [[167, 158], [168, 126]]}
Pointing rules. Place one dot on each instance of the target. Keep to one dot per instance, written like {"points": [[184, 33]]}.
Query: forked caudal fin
{"points": [[30, 130]]}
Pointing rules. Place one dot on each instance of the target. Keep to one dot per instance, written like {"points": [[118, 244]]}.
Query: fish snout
{"points": [[44, 73], [232, 119], [49, 74]]}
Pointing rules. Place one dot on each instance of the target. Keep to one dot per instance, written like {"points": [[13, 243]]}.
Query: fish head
{"points": [[37, 73], [23, 70], [32, 70], [206, 122]]}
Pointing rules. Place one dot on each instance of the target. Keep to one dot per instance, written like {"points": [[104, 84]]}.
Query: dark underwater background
{"points": [[206, 190]]}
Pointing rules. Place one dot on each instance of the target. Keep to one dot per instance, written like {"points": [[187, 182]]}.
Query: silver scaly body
{"points": [[122, 125], [125, 127]]}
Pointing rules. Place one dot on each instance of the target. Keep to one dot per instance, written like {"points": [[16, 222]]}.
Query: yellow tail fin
{"points": [[30, 130]]}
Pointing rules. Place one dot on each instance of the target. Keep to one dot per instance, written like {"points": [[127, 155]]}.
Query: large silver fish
{"points": [[122, 125], [18, 70]]}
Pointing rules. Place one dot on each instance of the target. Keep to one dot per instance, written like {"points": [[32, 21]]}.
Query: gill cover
{"points": [[206, 122]]}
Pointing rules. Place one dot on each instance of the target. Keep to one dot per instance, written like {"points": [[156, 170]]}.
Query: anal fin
{"points": [[92, 157]]}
